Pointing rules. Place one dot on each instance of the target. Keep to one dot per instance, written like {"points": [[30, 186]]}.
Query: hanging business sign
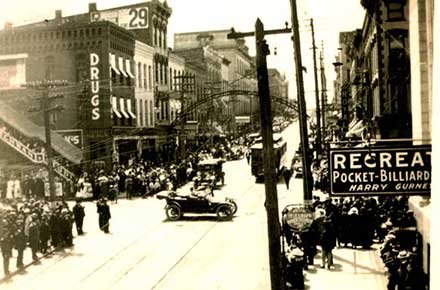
{"points": [[379, 171], [128, 18], [74, 137]]}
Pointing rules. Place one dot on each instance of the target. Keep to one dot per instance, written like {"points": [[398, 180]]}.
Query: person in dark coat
{"points": [[328, 243], [6, 245], [54, 226], [20, 243], [39, 188], [78, 215], [308, 242], [287, 174], [34, 237], [44, 233], [66, 227], [104, 215]]}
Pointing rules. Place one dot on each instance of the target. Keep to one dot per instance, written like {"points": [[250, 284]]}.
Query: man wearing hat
{"points": [[104, 215], [78, 215], [20, 242], [295, 275], [6, 245]]}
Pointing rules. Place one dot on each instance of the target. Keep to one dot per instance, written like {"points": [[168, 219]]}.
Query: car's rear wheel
{"points": [[225, 212], [173, 212]]}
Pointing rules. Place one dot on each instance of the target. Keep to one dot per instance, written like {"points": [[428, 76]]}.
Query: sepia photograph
{"points": [[219, 145]]}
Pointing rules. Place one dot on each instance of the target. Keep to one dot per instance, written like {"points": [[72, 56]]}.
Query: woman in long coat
{"points": [[104, 215]]}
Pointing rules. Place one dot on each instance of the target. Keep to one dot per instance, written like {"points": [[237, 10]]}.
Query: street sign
{"points": [[298, 217], [379, 171]]}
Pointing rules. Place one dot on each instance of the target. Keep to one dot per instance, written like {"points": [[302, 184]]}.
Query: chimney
{"points": [[58, 14], [8, 25], [92, 7]]}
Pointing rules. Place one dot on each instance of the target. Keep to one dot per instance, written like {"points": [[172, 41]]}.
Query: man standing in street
{"points": [[104, 215], [78, 215], [34, 236], [20, 243], [6, 245], [287, 174]]}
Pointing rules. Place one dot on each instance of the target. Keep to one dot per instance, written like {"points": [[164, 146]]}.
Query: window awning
{"points": [[121, 66], [112, 60], [122, 107], [129, 109], [128, 68], [115, 107]]}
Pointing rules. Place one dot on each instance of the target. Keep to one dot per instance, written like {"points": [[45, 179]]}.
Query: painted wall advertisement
{"points": [[380, 171]]}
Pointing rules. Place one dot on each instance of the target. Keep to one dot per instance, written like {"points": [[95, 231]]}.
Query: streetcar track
{"points": [[245, 192], [248, 189]]}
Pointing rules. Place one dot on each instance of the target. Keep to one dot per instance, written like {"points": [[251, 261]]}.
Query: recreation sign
{"points": [[379, 171], [128, 18]]}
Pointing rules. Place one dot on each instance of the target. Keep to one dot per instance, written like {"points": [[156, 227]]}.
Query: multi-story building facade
{"points": [[421, 38], [389, 69], [208, 68], [116, 61], [278, 87], [241, 67]]}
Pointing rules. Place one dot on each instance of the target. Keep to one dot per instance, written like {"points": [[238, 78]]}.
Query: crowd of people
{"points": [[357, 223], [34, 224]]}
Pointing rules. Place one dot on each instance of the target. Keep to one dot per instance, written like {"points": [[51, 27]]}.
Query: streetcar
{"points": [[280, 148]]}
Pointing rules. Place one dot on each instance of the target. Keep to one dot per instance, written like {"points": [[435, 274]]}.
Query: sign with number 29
{"points": [[128, 18]]}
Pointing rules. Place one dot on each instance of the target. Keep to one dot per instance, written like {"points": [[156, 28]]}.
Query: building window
{"points": [[160, 37], [147, 113], [171, 79], [160, 73], [395, 10], [141, 112], [156, 73], [165, 74], [144, 76], [150, 82], [139, 75]]}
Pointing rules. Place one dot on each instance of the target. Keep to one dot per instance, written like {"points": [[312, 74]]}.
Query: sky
{"points": [[330, 18]]}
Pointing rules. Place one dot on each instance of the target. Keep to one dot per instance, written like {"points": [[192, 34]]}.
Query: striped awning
{"points": [[122, 108], [121, 66], [128, 68], [130, 112], [115, 107], [112, 61]]}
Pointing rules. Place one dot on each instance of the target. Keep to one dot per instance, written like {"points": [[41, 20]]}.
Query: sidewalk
{"points": [[358, 269]]}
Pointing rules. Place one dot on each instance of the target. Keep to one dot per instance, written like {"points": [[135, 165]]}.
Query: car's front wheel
{"points": [[225, 212], [234, 206], [173, 212]]}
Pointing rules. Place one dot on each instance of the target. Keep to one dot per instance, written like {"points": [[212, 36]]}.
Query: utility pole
{"points": [[323, 92], [318, 109], [307, 180], [46, 108], [273, 221], [183, 81]]}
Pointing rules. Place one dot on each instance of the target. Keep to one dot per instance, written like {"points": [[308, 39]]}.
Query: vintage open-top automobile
{"points": [[198, 202], [211, 171]]}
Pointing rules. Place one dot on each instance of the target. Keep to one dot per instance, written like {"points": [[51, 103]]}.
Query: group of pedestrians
{"points": [[357, 223], [34, 224]]}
